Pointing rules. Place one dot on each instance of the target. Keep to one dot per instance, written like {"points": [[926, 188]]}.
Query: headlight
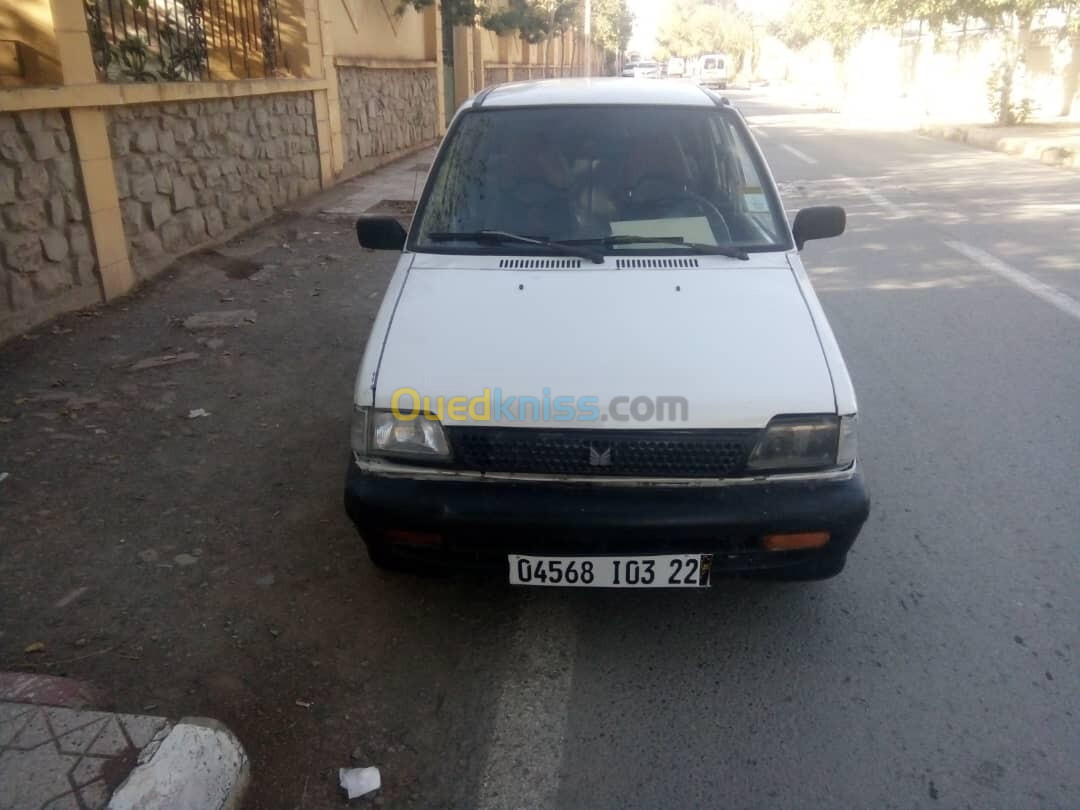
{"points": [[384, 434], [793, 443]]}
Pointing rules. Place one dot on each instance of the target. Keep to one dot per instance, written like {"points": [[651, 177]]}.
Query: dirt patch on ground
{"points": [[174, 532]]}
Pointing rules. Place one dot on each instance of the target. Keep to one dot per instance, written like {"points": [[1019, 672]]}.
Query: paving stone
{"points": [[111, 741], [141, 729], [13, 717], [80, 738]]}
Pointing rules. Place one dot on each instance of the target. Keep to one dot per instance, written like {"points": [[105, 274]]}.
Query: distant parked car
{"points": [[642, 70], [676, 67], [713, 70]]}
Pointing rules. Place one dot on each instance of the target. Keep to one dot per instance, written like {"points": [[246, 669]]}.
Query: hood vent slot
{"points": [[540, 264], [656, 263]]}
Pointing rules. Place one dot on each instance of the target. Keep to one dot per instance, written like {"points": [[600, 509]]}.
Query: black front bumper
{"points": [[481, 521]]}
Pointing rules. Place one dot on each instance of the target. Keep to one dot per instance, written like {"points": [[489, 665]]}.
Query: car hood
{"points": [[734, 338]]}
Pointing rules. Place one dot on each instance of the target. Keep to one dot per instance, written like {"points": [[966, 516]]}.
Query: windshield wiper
{"points": [[613, 241], [675, 241], [716, 250], [505, 237]]}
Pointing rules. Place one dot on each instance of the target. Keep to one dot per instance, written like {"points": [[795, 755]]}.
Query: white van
{"points": [[713, 70]]}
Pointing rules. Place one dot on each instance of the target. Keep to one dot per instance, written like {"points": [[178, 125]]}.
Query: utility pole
{"points": [[588, 38]]}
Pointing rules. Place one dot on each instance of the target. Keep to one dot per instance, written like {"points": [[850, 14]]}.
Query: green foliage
{"points": [[1006, 108], [692, 27], [837, 22], [457, 12], [612, 24], [537, 20], [534, 20]]}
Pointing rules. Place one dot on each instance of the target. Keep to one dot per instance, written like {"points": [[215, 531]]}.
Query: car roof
{"points": [[556, 92]]}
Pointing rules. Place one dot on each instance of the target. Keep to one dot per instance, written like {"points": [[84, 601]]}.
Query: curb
{"points": [[199, 764], [1047, 151]]}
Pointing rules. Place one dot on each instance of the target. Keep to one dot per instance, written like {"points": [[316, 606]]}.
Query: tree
{"points": [[1070, 33], [837, 22], [692, 27], [456, 12], [613, 24], [537, 21]]}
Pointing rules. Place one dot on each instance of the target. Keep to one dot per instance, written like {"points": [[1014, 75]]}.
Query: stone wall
{"points": [[385, 111], [188, 172], [46, 260]]}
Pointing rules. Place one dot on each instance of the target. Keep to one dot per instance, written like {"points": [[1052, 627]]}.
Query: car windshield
{"points": [[615, 175]]}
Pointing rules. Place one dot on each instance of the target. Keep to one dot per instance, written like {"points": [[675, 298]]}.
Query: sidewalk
{"points": [[1053, 144], [57, 754]]}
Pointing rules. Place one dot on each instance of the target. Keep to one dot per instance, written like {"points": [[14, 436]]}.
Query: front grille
{"points": [[640, 453]]}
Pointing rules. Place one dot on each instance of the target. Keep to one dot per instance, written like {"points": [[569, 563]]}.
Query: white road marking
{"points": [[1063, 301], [880, 200], [522, 768], [800, 155]]}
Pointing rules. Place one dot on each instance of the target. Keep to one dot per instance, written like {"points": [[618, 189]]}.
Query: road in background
{"points": [[222, 578]]}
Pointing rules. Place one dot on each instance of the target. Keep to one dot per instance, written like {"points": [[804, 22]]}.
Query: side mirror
{"points": [[380, 233], [819, 222]]}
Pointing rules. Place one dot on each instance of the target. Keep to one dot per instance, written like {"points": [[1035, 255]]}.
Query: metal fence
{"points": [[184, 40]]}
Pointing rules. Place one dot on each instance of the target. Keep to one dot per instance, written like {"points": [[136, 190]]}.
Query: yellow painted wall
{"points": [[28, 53], [369, 28]]}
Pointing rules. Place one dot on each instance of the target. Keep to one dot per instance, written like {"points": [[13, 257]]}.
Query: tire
{"points": [[811, 571]]}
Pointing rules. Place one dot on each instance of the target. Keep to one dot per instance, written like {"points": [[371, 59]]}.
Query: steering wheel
{"points": [[665, 203]]}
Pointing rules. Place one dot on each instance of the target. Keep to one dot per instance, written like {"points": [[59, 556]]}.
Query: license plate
{"points": [[652, 571]]}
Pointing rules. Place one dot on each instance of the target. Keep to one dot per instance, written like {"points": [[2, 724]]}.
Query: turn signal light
{"points": [[792, 542], [413, 538]]}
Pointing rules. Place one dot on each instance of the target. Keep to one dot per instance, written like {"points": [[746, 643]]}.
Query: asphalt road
{"points": [[205, 567], [940, 668]]}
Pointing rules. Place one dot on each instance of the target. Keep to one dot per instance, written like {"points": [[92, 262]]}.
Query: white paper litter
{"points": [[359, 781], [197, 413]]}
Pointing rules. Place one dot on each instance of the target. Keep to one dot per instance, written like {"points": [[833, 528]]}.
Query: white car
{"points": [[642, 70], [712, 71], [676, 68], [600, 362]]}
